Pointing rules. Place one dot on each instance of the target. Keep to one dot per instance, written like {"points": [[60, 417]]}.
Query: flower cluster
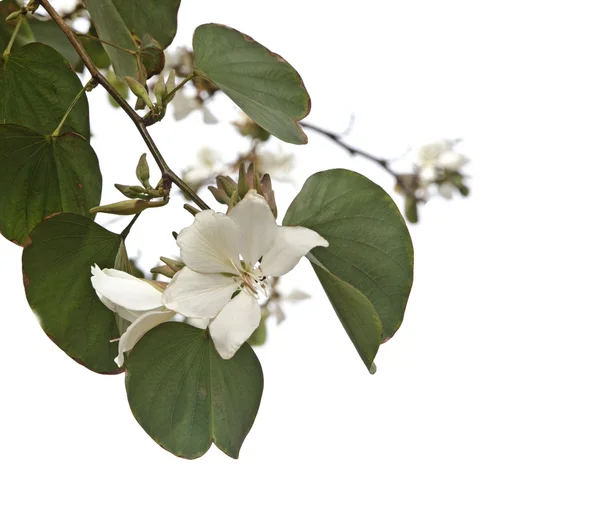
{"points": [[438, 163], [229, 262]]}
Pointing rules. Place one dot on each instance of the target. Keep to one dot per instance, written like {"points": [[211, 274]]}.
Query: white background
{"points": [[485, 403]]}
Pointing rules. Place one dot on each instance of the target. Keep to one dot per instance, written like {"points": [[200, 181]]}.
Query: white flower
{"points": [[180, 58], [438, 155], [278, 164], [446, 190], [234, 254], [208, 164], [134, 299], [183, 105]]}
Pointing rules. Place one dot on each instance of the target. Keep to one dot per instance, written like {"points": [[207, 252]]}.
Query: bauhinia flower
{"points": [[229, 259], [439, 155], [134, 299]]}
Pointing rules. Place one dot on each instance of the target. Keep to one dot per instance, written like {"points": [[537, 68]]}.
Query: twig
{"points": [[168, 175], [384, 163]]}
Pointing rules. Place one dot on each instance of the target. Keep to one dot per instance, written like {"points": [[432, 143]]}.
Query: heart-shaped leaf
{"points": [[186, 396], [42, 175], [111, 28], [260, 82], [56, 273], [369, 246], [37, 86]]}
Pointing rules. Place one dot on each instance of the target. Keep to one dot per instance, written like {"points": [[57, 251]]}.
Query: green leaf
{"points": [[259, 336], [356, 313], [155, 17], [111, 28], [153, 58], [186, 396], [37, 86], [56, 273], [260, 82], [95, 49], [47, 32], [43, 175], [369, 245], [24, 35]]}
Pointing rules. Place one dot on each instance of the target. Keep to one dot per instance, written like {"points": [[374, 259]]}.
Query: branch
{"points": [[355, 151], [168, 175]]}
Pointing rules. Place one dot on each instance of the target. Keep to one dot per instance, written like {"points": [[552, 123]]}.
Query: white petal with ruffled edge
{"points": [[258, 227], [125, 290], [138, 329], [211, 244], [290, 245], [235, 324], [198, 295]]}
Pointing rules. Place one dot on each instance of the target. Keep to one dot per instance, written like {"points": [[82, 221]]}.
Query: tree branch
{"points": [[355, 151], [168, 175]]}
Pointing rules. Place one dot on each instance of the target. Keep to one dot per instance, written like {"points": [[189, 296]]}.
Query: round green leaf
{"points": [[56, 273], [186, 396], [369, 245], [37, 86], [158, 18], [260, 82], [111, 28], [43, 175]]}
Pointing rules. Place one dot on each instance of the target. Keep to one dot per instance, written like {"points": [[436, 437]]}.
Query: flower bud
{"points": [[163, 270], [13, 16], [129, 207], [242, 187], [170, 86], [226, 184], [175, 265], [410, 209], [139, 91], [132, 191], [143, 171], [268, 193], [159, 90], [220, 195]]}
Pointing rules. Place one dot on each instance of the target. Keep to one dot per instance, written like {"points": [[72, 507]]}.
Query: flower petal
{"points": [[199, 323], [199, 295], [254, 217], [125, 290], [290, 245], [452, 160], [235, 324], [138, 328], [210, 244]]}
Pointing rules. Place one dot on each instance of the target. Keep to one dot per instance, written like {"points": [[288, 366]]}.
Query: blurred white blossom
{"points": [[183, 105], [208, 164], [181, 60], [277, 164], [436, 157]]}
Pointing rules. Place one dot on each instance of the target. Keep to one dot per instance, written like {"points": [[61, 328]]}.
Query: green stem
{"points": [[80, 35], [168, 98], [14, 36], [89, 84], [168, 175], [127, 229]]}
